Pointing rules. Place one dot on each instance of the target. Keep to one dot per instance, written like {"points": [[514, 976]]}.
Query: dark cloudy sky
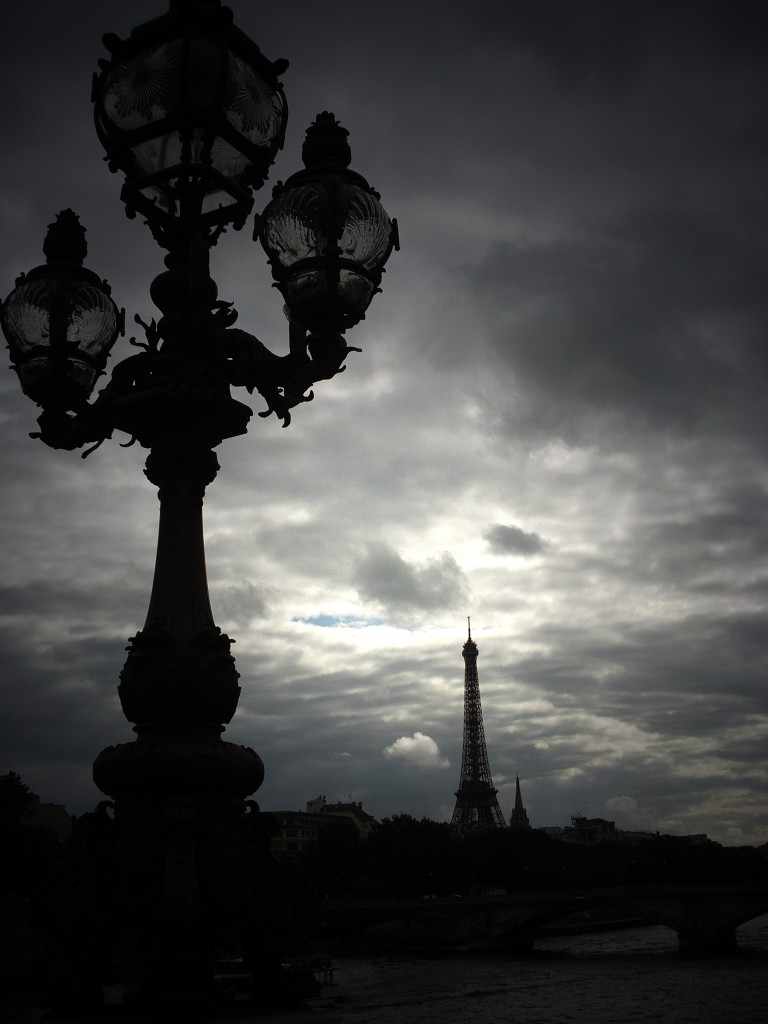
{"points": [[557, 424]]}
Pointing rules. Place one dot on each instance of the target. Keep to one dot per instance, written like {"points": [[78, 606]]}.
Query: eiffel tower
{"points": [[476, 803]]}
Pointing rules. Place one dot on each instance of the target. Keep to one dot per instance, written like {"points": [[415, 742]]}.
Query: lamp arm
{"points": [[283, 381], [91, 425]]}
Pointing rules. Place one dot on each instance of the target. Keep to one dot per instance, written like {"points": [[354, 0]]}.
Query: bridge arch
{"points": [[702, 917]]}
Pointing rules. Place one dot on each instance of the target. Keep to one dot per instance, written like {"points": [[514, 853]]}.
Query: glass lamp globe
{"points": [[192, 112], [327, 235], [60, 321]]}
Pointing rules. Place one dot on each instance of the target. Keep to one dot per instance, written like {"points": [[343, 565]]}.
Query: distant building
{"points": [[588, 831], [697, 839], [51, 817], [592, 830], [553, 831], [584, 831], [352, 811], [519, 816], [634, 837], [298, 829]]}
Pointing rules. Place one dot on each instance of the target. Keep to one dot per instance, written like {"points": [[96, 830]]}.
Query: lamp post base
{"points": [[160, 890]]}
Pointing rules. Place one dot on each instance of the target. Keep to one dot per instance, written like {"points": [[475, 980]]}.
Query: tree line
{"points": [[405, 858]]}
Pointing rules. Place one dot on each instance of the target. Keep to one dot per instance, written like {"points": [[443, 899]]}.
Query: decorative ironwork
{"points": [[476, 803]]}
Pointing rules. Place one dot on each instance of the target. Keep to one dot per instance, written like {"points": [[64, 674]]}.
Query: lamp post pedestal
{"points": [[177, 877]]}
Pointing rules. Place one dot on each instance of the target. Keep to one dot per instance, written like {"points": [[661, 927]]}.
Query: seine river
{"points": [[620, 977]]}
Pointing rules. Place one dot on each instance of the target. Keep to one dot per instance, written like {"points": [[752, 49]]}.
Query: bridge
{"points": [[704, 917]]}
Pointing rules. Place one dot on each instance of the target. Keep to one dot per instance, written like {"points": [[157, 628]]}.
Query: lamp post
{"points": [[177, 864]]}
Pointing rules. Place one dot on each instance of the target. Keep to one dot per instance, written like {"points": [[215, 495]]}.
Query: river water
{"points": [[617, 977]]}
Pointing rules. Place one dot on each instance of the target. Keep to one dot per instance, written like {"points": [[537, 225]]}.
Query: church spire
{"points": [[519, 816]]}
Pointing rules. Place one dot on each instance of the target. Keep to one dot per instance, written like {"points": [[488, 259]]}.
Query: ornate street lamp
{"points": [[192, 113]]}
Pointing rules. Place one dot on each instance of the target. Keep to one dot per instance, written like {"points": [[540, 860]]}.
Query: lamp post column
{"points": [[191, 867], [179, 667], [192, 864]]}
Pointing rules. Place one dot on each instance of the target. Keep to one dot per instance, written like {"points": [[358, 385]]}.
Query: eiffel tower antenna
{"points": [[476, 803]]}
